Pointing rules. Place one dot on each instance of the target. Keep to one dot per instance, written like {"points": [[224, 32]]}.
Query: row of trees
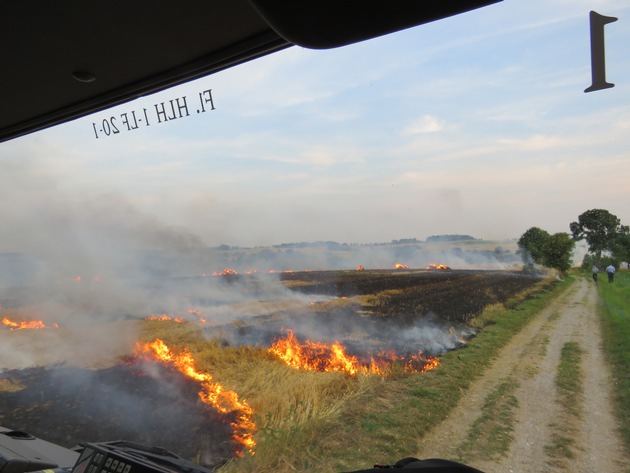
{"points": [[538, 246], [608, 242]]}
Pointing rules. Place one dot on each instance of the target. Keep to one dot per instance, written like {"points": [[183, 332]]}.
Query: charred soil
{"points": [[376, 310], [141, 402], [365, 309], [454, 295]]}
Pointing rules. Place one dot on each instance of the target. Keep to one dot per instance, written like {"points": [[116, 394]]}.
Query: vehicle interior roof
{"points": [[65, 60]]}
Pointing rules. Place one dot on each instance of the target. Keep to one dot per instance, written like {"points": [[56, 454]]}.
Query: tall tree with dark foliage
{"points": [[599, 228]]}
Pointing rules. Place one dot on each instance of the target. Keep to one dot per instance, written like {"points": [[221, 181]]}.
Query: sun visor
{"points": [[323, 24], [93, 56]]}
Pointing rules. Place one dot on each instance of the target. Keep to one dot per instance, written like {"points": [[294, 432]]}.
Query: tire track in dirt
{"points": [[530, 361]]}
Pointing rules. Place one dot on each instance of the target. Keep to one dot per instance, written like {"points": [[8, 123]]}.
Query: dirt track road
{"points": [[521, 386]]}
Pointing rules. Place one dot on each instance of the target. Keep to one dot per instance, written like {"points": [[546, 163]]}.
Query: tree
{"points": [[558, 251], [621, 246], [531, 245], [554, 251], [599, 228]]}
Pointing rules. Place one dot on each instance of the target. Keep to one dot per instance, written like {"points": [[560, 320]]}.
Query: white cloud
{"points": [[425, 124], [532, 143]]}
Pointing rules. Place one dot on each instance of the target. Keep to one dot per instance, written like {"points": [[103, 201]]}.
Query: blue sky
{"points": [[476, 124]]}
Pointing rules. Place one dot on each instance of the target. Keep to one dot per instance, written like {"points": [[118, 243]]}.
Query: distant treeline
{"points": [[333, 245], [436, 238], [151, 267]]}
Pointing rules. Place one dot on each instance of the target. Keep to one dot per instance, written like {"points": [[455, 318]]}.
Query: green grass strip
{"points": [[490, 435], [615, 319], [562, 446], [569, 379], [570, 385]]}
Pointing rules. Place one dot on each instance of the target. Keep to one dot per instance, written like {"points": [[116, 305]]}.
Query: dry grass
{"points": [[542, 286], [310, 421], [291, 407], [487, 316], [10, 386], [381, 298], [292, 284]]}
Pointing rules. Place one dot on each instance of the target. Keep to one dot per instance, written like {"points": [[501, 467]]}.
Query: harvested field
{"points": [[371, 311], [368, 311], [149, 405], [454, 296]]}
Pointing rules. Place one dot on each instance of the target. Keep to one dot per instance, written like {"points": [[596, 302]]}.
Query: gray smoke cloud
{"points": [[82, 260], [65, 246], [94, 259]]}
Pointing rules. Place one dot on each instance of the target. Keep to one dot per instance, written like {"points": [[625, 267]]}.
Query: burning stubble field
{"points": [[287, 376]]}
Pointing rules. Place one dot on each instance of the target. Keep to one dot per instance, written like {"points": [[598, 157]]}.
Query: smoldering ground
{"points": [[83, 261], [90, 260], [372, 311], [362, 335], [94, 263], [137, 401]]}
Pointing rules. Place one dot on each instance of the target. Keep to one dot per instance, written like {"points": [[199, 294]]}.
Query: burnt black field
{"points": [[151, 405], [405, 310], [454, 295]]}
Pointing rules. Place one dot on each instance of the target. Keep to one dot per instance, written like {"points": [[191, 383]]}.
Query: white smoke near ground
{"points": [[431, 336], [335, 256], [89, 263], [309, 317], [85, 262], [95, 260], [86, 345], [86, 239]]}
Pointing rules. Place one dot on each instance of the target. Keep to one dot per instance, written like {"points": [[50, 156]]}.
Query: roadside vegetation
{"points": [[607, 239], [615, 317], [332, 422]]}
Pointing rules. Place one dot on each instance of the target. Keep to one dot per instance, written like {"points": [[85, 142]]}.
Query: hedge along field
{"points": [[615, 319]]}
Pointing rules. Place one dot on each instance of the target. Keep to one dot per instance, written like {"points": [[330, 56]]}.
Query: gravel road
{"points": [[546, 435]]}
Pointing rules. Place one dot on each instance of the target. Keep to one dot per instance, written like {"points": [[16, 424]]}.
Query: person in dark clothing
{"points": [[595, 271], [611, 273]]}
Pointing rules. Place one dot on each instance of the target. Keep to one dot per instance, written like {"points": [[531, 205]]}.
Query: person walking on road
{"points": [[595, 271], [611, 273]]}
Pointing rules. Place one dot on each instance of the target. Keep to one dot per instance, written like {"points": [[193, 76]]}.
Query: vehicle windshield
{"points": [[279, 200]]}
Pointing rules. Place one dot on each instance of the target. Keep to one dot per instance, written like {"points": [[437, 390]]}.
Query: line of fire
{"points": [[351, 323]]}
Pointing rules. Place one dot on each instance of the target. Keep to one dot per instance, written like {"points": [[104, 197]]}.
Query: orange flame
{"points": [[165, 317], [360, 268], [226, 272], [198, 314], [211, 393], [313, 356], [438, 267], [401, 266], [14, 325], [176, 318]]}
